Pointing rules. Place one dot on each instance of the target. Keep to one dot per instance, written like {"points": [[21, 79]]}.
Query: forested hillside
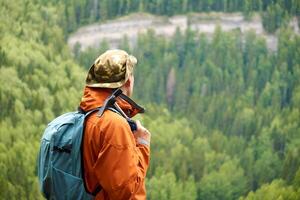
{"points": [[38, 81], [274, 12], [224, 112]]}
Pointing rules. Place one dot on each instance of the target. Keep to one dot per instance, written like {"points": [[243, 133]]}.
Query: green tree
{"points": [[275, 190], [228, 182], [167, 187], [274, 17]]}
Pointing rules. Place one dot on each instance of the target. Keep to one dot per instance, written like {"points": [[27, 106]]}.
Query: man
{"points": [[115, 158]]}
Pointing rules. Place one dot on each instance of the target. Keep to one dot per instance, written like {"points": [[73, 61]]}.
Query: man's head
{"points": [[113, 69]]}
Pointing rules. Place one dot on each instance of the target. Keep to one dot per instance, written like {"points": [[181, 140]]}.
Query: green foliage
{"points": [[276, 190], [79, 12], [228, 182], [274, 17], [164, 186], [38, 81], [223, 111]]}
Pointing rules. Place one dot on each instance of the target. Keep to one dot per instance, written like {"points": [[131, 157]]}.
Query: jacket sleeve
{"points": [[121, 165]]}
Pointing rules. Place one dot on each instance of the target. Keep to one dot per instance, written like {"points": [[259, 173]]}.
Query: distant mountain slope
{"points": [[114, 30]]}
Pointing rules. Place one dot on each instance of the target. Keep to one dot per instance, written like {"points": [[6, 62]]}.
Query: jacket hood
{"points": [[95, 97]]}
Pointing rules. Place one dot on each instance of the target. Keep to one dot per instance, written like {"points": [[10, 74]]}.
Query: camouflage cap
{"points": [[111, 69]]}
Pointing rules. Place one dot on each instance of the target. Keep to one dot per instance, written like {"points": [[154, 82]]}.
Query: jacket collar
{"points": [[95, 97]]}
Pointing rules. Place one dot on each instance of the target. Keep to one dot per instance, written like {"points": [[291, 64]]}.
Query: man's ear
{"points": [[127, 84]]}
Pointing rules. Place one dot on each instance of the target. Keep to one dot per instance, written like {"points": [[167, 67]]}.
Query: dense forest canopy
{"points": [[224, 112], [274, 12]]}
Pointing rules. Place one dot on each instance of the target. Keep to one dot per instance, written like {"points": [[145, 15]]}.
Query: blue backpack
{"points": [[59, 162]]}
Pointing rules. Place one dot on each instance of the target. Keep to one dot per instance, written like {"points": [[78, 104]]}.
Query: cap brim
{"points": [[107, 85]]}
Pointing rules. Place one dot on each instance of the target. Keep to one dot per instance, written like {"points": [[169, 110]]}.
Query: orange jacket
{"points": [[111, 156]]}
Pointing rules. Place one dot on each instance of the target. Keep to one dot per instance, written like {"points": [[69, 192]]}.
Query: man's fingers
{"points": [[138, 124], [142, 135]]}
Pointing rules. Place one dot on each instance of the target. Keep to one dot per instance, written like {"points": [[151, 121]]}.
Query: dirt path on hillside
{"points": [[113, 31]]}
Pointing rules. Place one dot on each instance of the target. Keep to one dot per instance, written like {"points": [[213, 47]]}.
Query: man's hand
{"points": [[142, 135]]}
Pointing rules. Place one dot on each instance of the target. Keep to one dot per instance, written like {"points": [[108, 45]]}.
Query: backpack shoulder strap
{"points": [[131, 123], [91, 111], [87, 113]]}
